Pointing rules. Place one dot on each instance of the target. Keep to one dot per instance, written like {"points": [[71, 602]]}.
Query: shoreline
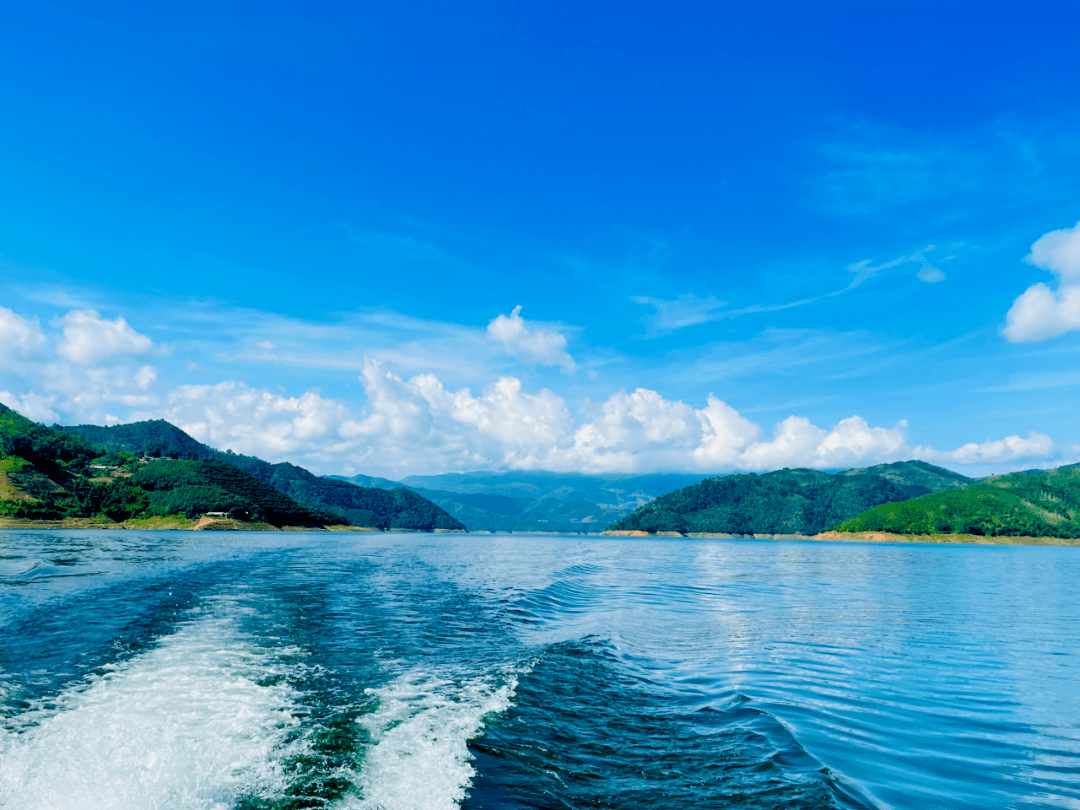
{"points": [[177, 523], [870, 537]]}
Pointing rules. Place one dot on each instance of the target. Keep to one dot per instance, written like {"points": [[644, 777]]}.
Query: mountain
{"points": [[1032, 503], [788, 501], [375, 507], [527, 501], [47, 473], [193, 488], [379, 508]]}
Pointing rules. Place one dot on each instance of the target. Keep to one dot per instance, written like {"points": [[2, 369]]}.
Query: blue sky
{"points": [[303, 230]]}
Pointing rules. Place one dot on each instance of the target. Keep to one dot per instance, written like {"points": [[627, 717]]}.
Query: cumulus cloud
{"points": [[544, 347], [992, 451], [797, 442], [91, 395], [1040, 313], [19, 337], [88, 338], [417, 424], [231, 415], [32, 406]]}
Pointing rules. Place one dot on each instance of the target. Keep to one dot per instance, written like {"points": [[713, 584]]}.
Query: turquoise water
{"points": [[416, 672]]}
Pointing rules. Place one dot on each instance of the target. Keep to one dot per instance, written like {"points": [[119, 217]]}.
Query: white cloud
{"points": [[1040, 313], [992, 451], [797, 442], [231, 415], [89, 338], [545, 347], [87, 394], [1058, 252], [19, 337], [418, 425], [33, 406]]}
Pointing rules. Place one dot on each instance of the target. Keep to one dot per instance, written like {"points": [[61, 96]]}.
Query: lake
{"points": [[422, 672]]}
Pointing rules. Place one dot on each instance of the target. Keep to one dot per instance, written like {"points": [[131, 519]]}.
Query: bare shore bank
{"points": [[871, 537]]}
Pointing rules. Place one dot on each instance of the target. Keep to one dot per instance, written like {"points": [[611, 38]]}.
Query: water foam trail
{"points": [[184, 726], [419, 757]]}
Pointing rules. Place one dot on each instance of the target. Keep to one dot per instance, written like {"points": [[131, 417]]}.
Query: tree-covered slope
{"points": [[46, 473], [196, 487], [798, 501], [397, 508], [914, 474], [1027, 504], [154, 437]]}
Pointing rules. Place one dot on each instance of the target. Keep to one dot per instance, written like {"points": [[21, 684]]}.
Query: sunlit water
{"points": [[417, 672]]}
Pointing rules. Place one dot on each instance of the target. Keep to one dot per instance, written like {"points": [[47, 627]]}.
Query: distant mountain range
{"points": [[531, 501], [788, 501]]}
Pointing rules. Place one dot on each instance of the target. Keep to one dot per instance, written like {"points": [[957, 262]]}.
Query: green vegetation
{"points": [[788, 501], [192, 488], [49, 474], [1029, 504], [335, 501], [398, 508]]}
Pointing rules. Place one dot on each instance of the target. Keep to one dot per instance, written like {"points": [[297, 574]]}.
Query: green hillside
{"points": [[46, 473], [193, 488], [397, 508], [798, 501], [1026, 504]]}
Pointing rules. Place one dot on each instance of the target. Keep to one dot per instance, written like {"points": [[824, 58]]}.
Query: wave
{"points": [[418, 757], [194, 723], [585, 732]]}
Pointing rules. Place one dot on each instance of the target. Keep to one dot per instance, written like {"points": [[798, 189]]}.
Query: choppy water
{"points": [[412, 672]]}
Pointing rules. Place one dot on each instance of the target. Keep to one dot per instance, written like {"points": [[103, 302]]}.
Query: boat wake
{"points": [[419, 757], [202, 718]]}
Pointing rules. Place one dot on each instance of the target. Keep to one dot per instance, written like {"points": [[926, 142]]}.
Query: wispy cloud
{"points": [[399, 245], [865, 270], [871, 169], [686, 310]]}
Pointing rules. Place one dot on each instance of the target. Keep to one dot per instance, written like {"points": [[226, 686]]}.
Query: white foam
{"points": [[184, 726], [419, 758]]}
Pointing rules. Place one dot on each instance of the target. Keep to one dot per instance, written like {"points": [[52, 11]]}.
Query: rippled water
{"points": [[416, 672]]}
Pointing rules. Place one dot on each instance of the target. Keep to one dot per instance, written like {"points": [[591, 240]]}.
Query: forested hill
{"points": [[48, 474], [1025, 504], [788, 501], [398, 508]]}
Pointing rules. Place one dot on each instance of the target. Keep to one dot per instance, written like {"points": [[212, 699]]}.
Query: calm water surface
{"points": [[413, 672]]}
